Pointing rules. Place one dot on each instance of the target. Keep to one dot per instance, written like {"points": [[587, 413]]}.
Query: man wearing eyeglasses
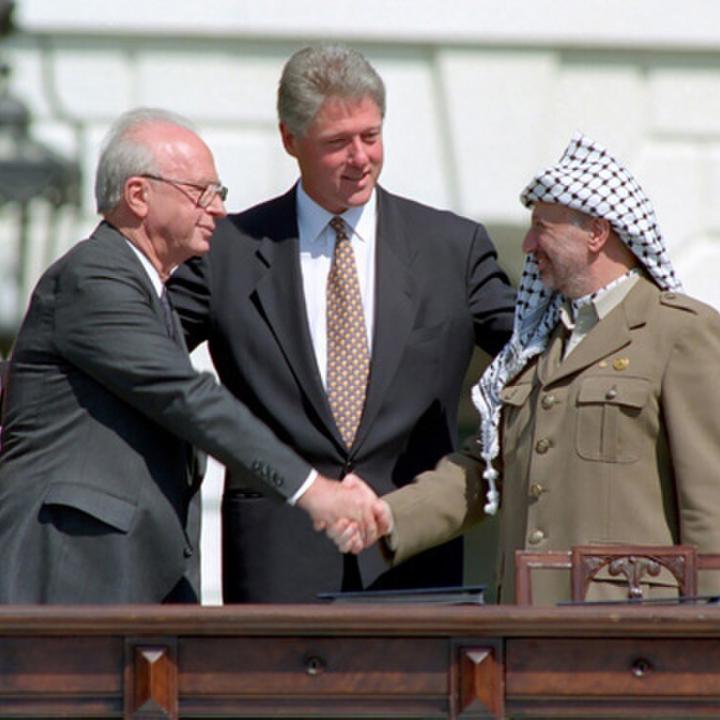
{"points": [[99, 477]]}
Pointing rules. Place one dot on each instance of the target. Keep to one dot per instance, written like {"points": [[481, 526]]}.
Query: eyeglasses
{"points": [[207, 192]]}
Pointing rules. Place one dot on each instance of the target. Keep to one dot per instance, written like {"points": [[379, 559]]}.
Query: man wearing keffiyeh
{"points": [[600, 416]]}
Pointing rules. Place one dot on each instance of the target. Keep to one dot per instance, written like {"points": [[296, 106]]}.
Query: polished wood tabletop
{"points": [[345, 660]]}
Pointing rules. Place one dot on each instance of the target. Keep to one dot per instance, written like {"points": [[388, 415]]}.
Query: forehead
{"points": [[338, 112], [188, 158], [551, 213]]}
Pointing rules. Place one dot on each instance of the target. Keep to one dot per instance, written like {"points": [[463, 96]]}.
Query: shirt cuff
{"points": [[303, 488]]}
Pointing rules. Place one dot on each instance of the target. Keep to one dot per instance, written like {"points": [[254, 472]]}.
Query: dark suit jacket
{"points": [[438, 292], [100, 409]]}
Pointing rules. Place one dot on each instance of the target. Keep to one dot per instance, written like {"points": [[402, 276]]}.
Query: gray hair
{"points": [[123, 154], [316, 72]]}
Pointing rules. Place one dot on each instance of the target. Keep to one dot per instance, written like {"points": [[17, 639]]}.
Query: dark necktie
{"points": [[348, 358], [196, 459], [168, 314]]}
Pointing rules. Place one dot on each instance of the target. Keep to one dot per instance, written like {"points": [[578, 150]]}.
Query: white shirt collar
{"points": [[614, 293], [601, 302], [313, 218], [153, 274]]}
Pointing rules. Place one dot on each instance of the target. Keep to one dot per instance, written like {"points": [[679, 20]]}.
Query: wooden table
{"points": [[323, 661]]}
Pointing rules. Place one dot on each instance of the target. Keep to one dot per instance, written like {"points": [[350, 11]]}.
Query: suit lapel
{"points": [[118, 242], [394, 305], [550, 360], [279, 292]]}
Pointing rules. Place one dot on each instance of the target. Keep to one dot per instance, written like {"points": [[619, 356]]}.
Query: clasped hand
{"points": [[349, 512]]}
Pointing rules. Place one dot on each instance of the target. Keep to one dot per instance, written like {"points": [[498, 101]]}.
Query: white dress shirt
{"points": [[153, 274], [317, 242]]}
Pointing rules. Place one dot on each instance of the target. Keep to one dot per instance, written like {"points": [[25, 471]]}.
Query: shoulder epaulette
{"points": [[678, 300]]}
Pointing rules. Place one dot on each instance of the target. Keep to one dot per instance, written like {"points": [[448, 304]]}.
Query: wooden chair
{"points": [[631, 563], [528, 561]]}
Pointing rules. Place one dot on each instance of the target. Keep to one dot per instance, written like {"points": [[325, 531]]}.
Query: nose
{"points": [[529, 242], [217, 207], [358, 153]]}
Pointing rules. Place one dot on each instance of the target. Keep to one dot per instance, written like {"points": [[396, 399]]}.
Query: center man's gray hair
{"points": [[317, 72], [122, 155]]}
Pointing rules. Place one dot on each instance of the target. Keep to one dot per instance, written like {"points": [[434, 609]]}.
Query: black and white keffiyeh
{"points": [[588, 179]]}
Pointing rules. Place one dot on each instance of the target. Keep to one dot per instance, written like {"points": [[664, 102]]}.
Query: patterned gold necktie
{"points": [[348, 358]]}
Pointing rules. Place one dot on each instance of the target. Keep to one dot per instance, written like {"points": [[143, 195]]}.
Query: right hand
{"points": [[349, 536], [329, 501]]}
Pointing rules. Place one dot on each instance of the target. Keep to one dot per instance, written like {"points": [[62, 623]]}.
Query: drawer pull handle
{"points": [[641, 667], [314, 665]]}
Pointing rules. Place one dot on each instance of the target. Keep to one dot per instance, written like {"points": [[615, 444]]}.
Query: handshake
{"points": [[349, 512]]}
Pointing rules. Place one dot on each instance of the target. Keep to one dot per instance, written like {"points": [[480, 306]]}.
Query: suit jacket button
{"points": [[188, 552], [277, 480]]}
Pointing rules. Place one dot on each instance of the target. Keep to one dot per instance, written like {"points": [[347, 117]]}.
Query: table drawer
{"points": [[352, 666], [314, 677], [608, 667]]}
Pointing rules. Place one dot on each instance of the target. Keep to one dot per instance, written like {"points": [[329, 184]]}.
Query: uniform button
{"points": [[611, 394], [187, 552], [536, 537], [543, 445], [548, 401], [536, 490]]}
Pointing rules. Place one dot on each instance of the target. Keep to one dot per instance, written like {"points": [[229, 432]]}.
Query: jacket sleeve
{"points": [[491, 298], [690, 402], [108, 325], [439, 505]]}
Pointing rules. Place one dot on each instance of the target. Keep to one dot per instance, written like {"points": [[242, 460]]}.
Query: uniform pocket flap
{"points": [[516, 394], [609, 390], [105, 507]]}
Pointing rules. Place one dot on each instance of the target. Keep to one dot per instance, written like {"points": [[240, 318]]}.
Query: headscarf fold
{"points": [[588, 179]]}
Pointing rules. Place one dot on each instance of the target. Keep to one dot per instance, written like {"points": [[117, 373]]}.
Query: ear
{"points": [[135, 195], [599, 234], [288, 140]]}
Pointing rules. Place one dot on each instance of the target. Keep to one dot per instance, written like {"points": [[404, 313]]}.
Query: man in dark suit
{"points": [[99, 481], [426, 288]]}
